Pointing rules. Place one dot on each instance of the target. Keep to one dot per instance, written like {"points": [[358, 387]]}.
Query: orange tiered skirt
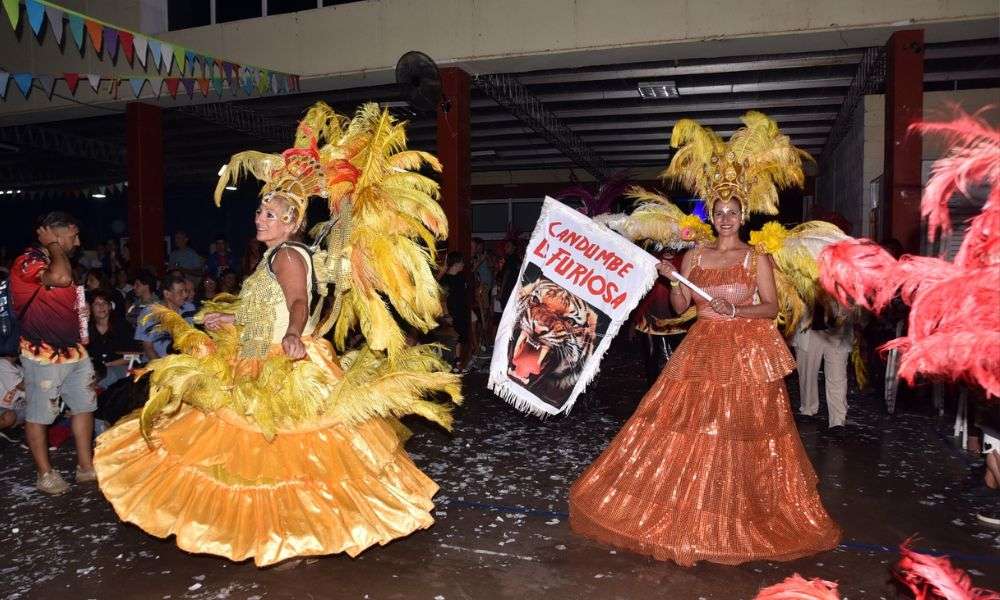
{"points": [[710, 466], [221, 487]]}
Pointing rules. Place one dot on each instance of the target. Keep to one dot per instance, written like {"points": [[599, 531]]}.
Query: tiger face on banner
{"points": [[579, 281], [554, 336]]}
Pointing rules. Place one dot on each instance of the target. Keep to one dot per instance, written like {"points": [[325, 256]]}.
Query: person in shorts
{"points": [[57, 370]]}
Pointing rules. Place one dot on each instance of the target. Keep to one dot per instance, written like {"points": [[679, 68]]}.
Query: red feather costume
{"points": [[954, 324]]}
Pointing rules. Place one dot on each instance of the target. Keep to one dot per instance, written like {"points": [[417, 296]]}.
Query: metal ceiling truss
{"points": [[508, 92], [42, 139], [869, 79], [242, 120]]}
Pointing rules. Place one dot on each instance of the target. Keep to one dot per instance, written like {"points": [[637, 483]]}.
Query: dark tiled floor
{"points": [[502, 529]]}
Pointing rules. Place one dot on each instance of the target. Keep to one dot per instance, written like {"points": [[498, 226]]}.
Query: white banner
{"points": [[578, 283]]}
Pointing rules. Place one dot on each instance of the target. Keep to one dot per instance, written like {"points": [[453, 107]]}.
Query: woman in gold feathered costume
{"points": [[710, 466], [259, 440]]}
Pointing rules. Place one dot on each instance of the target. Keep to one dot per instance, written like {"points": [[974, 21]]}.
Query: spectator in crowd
{"points": [[183, 257], [188, 308], [455, 280], [510, 270], [230, 283], [96, 280], [482, 268], [110, 336], [252, 255], [654, 322], [56, 366], [220, 261], [12, 401], [156, 343], [144, 290], [113, 261], [122, 285], [208, 289]]}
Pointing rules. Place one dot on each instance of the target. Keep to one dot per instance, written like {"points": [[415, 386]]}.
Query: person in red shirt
{"points": [[56, 367]]}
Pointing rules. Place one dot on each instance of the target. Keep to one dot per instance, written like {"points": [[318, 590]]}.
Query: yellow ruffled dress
{"points": [[244, 453]]}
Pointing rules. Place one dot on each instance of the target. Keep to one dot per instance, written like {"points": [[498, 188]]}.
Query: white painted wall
{"points": [[359, 43]]}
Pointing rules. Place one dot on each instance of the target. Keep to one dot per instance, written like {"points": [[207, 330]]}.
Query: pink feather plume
{"points": [[854, 271], [934, 578], [954, 323], [798, 588], [973, 157]]}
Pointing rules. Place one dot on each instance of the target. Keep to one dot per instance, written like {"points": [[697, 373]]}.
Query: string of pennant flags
{"points": [[195, 71], [248, 83]]}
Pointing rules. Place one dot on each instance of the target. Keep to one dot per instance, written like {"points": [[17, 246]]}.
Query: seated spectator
{"points": [[184, 258], [96, 280], [12, 401], [144, 291], [230, 283], [110, 337], [208, 289], [156, 343], [220, 261], [123, 287]]}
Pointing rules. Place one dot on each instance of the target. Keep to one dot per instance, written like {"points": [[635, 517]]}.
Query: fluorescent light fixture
{"points": [[395, 104], [654, 90], [231, 188], [18, 191], [482, 153], [98, 196]]}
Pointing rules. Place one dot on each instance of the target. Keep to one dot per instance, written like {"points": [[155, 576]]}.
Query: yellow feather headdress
{"points": [[750, 167], [385, 220]]}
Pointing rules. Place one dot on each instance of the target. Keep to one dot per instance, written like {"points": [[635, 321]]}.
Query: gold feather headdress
{"points": [[378, 248], [750, 167]]}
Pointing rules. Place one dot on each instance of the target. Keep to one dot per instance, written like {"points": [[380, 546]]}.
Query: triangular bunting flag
{"points": [[217, 85], [188, 86], [95, 81], [125, 38], [95, 31], [36, 15], [227, 69], [168, 57], [111, 43], [23, 81], [136, 83], [4, 78], [140, 44], [203, 86], [72, 80], [13, 8], [179, 55], [274, 83], [76, 28], [248, 85], [156, 84], [294, 79], [154, 49], [172, 83], [48, 84], [55, 22], [190, 58], [210, 66]]}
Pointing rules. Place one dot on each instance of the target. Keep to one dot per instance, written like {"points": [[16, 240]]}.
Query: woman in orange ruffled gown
{"points": [[710, 466]]}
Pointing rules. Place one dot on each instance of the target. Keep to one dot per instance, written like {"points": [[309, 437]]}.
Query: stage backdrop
{"points": [[579, 281]]}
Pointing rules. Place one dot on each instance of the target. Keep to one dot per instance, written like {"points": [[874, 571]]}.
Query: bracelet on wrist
{"points": [[734, 311]]}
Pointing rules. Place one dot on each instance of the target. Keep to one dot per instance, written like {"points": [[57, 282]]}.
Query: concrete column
{"points": [[904, 105], [453, 142], [145, 185]]}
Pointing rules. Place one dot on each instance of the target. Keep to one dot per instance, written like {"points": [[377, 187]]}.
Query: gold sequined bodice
{"points": [[263, 312]]}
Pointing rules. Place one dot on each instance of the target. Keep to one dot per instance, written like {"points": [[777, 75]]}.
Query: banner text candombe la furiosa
{"points": [[555, 251]]}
